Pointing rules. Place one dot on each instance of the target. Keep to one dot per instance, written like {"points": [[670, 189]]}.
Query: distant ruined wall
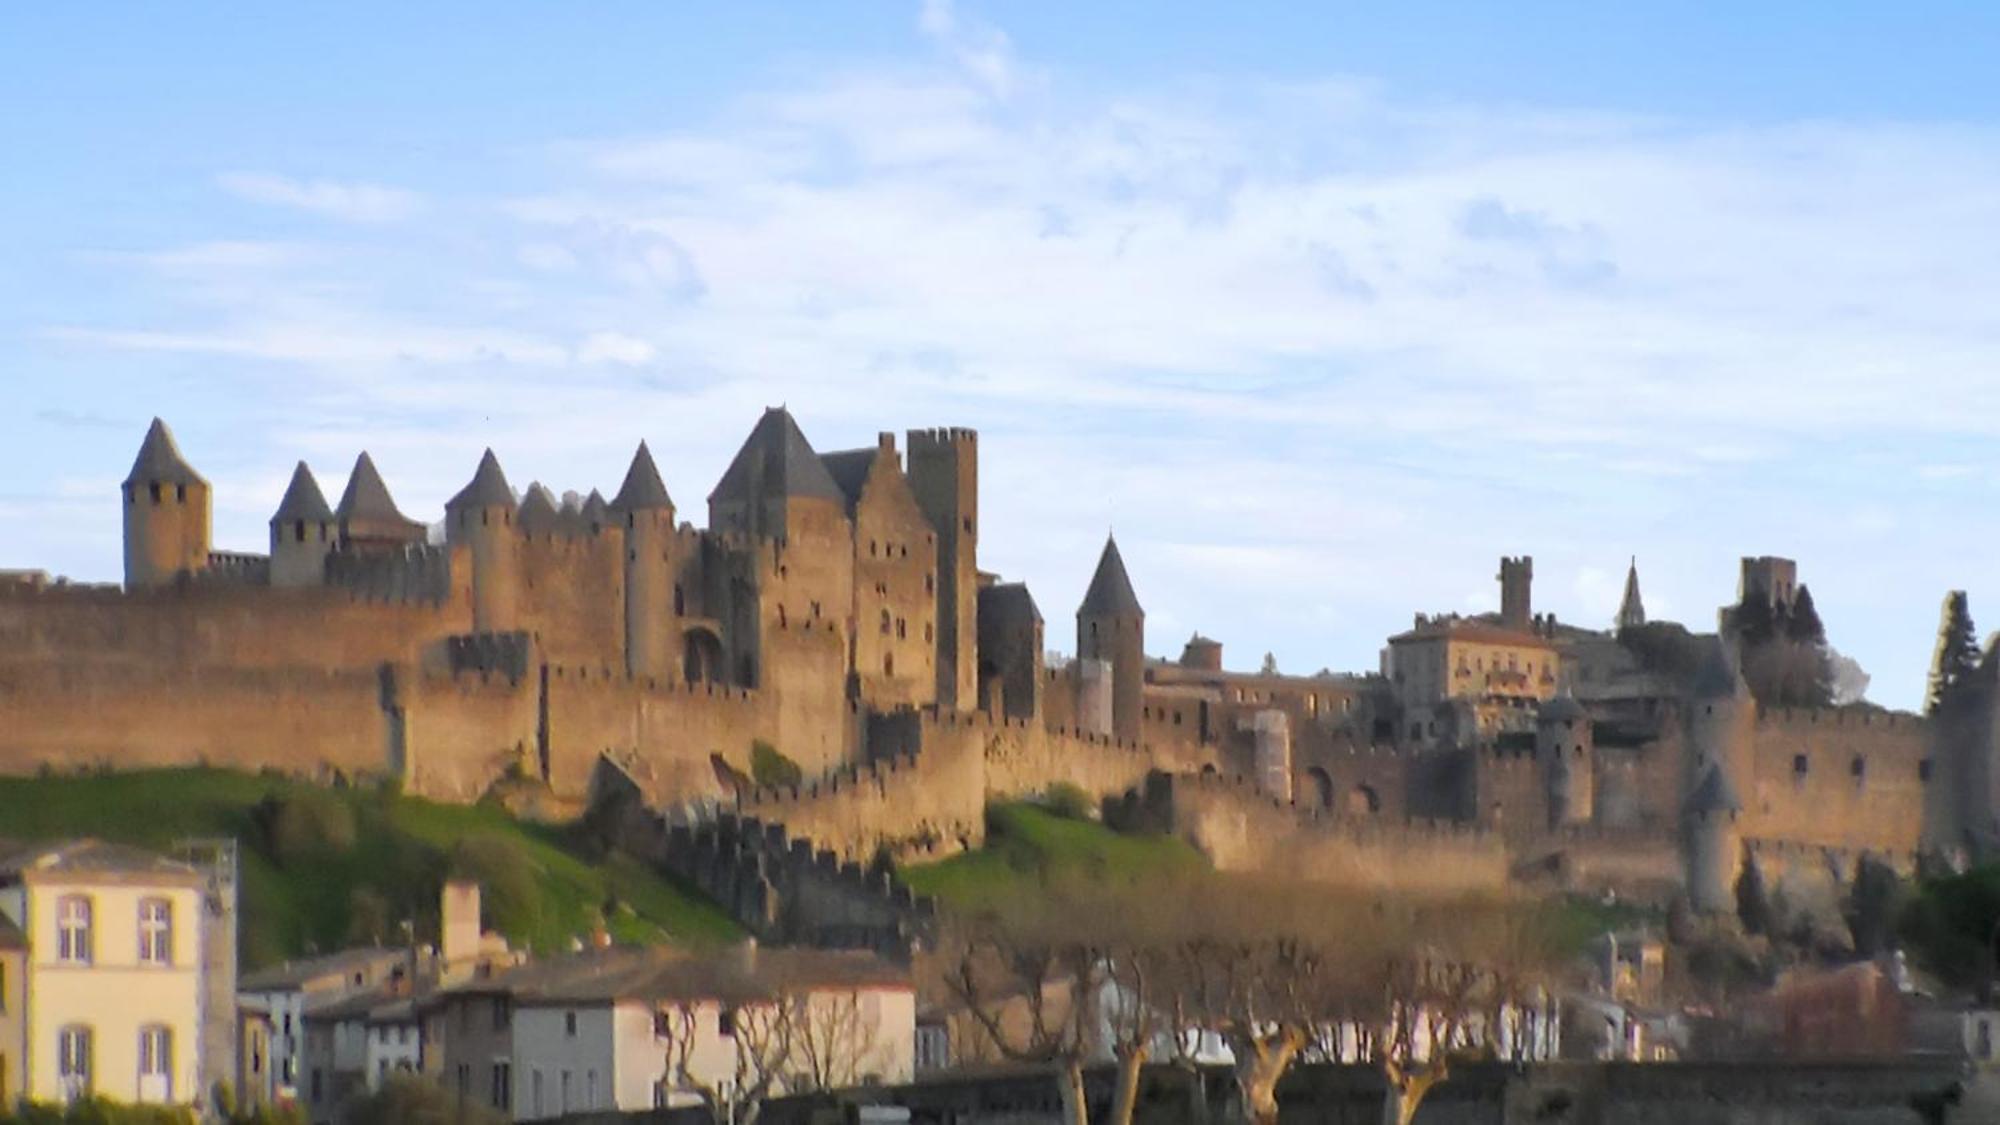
{"points": [[1240, 829]]}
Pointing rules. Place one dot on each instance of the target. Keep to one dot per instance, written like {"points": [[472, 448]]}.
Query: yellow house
{"points": [[13, 1013], [111, 989], [1498, 672]]}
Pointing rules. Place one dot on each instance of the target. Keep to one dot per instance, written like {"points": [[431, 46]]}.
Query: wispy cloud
{"points": [[348, 202], [1364, 342]]}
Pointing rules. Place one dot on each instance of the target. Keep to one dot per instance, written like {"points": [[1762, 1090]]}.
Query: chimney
{"points": [[459, 921]]}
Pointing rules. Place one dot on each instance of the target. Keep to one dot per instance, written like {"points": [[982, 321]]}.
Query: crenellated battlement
{"points": [[1807, 718]]}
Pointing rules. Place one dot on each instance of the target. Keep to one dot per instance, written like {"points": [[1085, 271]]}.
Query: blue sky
{"points": [[1324, 307]]}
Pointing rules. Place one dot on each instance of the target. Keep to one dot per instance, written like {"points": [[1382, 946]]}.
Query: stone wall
{"points": [[1240, 829]]}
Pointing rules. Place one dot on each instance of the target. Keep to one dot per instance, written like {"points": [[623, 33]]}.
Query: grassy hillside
{"points": [[1028, 847], [326, 867]]}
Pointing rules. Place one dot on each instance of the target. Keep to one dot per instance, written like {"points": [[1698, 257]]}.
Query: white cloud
{"points": [[349, 202], [614, 347], [1320, 353]]}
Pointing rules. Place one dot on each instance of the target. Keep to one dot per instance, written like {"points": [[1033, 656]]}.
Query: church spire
{"points": [[1631, 611]]}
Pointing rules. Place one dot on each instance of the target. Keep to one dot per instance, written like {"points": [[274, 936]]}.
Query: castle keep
{"points": [[832, 610]]}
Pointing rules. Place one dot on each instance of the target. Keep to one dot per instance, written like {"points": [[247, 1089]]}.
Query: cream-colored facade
{"points": [[112, 988], [13, 1012], [1499, 673]]}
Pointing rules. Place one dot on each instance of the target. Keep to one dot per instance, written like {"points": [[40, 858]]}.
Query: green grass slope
{"points": [[322, 868], [1029, 847]]}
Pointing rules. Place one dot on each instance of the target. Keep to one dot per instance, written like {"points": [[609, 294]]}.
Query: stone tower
{"points": [[944, 474], [166, 514], [1631, 611], [643, 508], [1517, 579], [1770, 579], [1111, 626], [302, 532], [481, 517], [1712, 842], [1566, 755]]}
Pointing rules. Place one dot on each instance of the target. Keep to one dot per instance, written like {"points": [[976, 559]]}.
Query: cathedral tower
{"points": [[1111, 626], [302, 532], [1631, 611], [944, 474], [166, 514]]}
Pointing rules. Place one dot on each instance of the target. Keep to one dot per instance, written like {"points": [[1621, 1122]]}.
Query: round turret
{"points": [[1110, 626], [1565, 753], [303, 530], [166, 506], [1712, 843], [481, 517], [646, 513]]}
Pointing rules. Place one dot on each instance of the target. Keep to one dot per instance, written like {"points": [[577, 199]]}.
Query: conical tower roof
{"points": [[160, 460], [776, 462], [1110, 593], [488, 488], [538, 509], [596, 512], [366, 497], [1717, 677], [643, 489], [303, 500], [1631, 611], [1713, 794]]}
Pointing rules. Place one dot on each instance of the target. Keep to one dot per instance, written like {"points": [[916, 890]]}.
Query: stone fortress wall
{"points": [[833, 611]]}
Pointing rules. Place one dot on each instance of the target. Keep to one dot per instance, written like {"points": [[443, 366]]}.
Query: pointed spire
{"points": [[643, 490], [160, 460], [596, 513], [1110, 592], [538, 510], [776, 461], [303, 500], [1631, 611], [366, 497], [488, 488]]}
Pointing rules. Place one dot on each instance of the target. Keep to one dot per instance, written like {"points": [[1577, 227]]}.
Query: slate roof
{"points": [[96, 857], [849, 470], [776, 462], [729, 976], [1560, 709], [303, 500], [1717, 677], [488, 488], [643, 488], [538, 510], [367, 498], [160, 460], [1008, 603], [596, 512], [1713, 794], [295, 974], [1110, 592]]}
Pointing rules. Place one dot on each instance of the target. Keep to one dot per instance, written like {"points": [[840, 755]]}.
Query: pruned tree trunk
{"points": [[1260, 1064], [1131, 1062], [1076, 1106], [1406, 1090]]}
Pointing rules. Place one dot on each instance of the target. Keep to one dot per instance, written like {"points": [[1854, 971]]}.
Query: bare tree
{"points": [[762, 1037], [834, 1040]]}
